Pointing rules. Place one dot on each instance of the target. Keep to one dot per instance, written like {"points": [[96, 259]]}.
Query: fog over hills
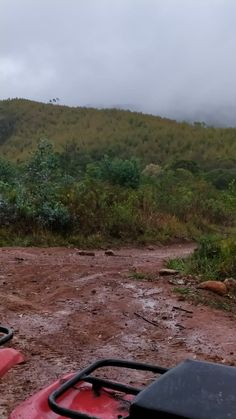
{"points": [[170, 58], [216, 117]]}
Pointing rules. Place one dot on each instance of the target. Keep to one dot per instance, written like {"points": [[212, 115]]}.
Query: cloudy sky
{"points": [[175, 58]]}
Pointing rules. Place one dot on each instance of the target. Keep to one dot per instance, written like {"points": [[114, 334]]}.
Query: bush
{"points": [[43, 166], [189, 165], [221, 178], [7, 171], [116, 171], [215, 258]]}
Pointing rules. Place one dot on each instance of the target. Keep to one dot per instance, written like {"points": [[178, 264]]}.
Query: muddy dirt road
{"points": [[68, 310]]}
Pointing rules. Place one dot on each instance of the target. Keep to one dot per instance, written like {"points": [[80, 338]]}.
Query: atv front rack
{"points": [[190, 390], [98, 384], [6, 334], [8, 356]]}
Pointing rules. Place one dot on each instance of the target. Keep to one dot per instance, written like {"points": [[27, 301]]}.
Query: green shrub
{"points": [[215, 258], [8, 171], [116, 171], [106, 200], [189, 165], [221, 178]]}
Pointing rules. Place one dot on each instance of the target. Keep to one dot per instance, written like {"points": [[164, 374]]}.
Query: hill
{"points": [[111, 131], [112, 176]]}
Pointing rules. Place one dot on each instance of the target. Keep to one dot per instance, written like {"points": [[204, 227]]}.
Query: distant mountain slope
{"points": [[118, 132]]}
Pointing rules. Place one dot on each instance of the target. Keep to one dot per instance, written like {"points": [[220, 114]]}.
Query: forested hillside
{"points": [[112, 132]]}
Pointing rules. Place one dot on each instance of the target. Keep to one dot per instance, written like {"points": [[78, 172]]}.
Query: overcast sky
{"points": [[175, 58]]}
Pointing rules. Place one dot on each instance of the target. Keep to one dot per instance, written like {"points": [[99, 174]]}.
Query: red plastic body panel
{"points": [[106, 405], [8, 358]]}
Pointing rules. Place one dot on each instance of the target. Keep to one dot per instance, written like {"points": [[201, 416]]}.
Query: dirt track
{"points": [[68, 310]]}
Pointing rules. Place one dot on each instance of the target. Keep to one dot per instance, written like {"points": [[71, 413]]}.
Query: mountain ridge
{"points": [[112, 131]]}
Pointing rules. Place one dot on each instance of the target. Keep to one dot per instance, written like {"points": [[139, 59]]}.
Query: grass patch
{"points": [[214, 259], [212, 300], [178, 264], [182, 290], [142, 276]]}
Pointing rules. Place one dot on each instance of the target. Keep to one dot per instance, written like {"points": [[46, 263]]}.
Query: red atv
{"points": [[8, 356], [191, 390]]}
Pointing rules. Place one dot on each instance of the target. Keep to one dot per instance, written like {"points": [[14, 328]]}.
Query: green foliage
{"points": [[189, 165], [79, 197], [215, 258], [142, 276], [182, 290], [35, 196], [191, 198], [43, 167], [112, 132], [139, 276], [196, 297], [121, 172], [7, 171], [116, 171], [7, 125], [222, 178], [72, 160], [178, 264]]}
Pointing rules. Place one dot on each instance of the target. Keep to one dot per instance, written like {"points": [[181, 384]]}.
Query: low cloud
{"points": [[167, 57]]}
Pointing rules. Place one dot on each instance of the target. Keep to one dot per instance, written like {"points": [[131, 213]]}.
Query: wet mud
{"points": [[68, 310]]}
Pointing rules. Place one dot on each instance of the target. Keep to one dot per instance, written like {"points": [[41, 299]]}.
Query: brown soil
{"points": [[68, 310]]}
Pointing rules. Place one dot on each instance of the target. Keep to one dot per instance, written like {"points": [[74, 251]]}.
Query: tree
{"points": [[121, 172]]}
